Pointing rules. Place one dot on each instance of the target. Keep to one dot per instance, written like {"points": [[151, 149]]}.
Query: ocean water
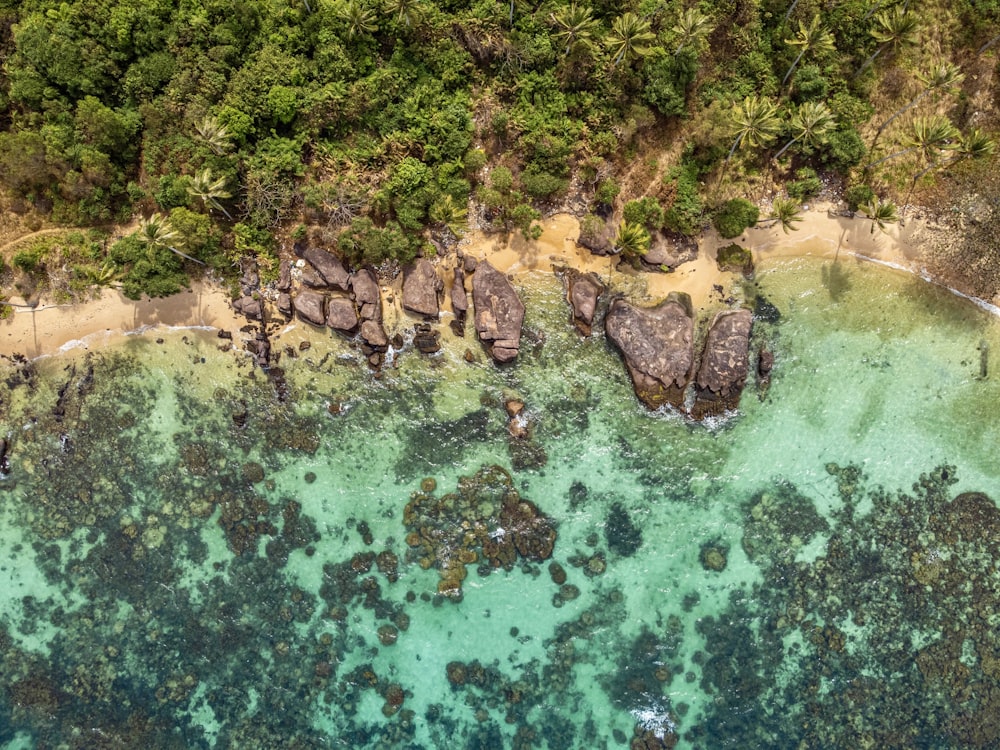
{"points": [[194, 554]]}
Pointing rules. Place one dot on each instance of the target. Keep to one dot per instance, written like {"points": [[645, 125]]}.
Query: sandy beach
{"points": [[51, 328]]}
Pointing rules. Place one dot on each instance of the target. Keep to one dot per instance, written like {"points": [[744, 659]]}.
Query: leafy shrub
{"points": [[667, 79], [734, 216], [150, 271], [30, 259], [809, 84], [858, 195], [806, 186], [364, 243], [844, 149], [541, 185], [684, 215], [646, 212], [606, 192]]}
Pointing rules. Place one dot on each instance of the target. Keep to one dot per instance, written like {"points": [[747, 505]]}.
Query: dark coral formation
{"points": [[485, 519]]}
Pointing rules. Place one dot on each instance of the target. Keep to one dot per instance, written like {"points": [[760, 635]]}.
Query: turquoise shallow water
{"points": [[193, 557]]}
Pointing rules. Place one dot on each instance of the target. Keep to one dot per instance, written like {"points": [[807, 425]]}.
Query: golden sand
{"points": [[50, 328]]}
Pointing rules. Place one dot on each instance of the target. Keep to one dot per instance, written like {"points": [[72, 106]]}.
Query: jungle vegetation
{"points": [[217, 129]]}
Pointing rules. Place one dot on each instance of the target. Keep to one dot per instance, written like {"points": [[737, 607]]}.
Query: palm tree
{"points": [[359, 18], [214, 134], [755, 122], [786, 212], [408, 13], [809, 38], [691, 27], [630, 37], [632, 240], [810, 123], [975, 145], [447, 213], [881, 213], [576, 27], [893, 30], [209, 189], [941, 77], [156, 232], [929, 136]]}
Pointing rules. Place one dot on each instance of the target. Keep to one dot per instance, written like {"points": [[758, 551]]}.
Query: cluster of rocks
{"points": [[486, 521], [658, 345]]}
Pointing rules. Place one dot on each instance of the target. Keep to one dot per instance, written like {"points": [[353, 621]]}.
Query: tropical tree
{"points": [[358, 17], [785, 212], [446, 213], [632, 240], [929, 136], [209, 189], [881, 213], [811, 38], [754, 123], [630, 38], [893, 30], [576, 27], [974, 145], [214, 134], [156, 232], [691, 28], [810, 124], [942, 77], [408, 13]]}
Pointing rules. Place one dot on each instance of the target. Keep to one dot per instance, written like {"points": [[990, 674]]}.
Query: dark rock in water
{"points": [[285, 276], [374, 335], [557, 572], [263, 349], [499, 312], [724, 364], [311, 307], [459, 298], [251, 307], [4, 457], [737, 259], [367, 295], [223, 334], [457, 327], [341, 315], [658, 346], [764, 311], [583, 292], [329, 267], [284, 304], [714, 556], [621, 533], [421, 286], [765, 363], [426, 339], [668, 250]]}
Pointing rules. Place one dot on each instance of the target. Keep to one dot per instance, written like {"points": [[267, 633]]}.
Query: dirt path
{"points": [[40, 233]]}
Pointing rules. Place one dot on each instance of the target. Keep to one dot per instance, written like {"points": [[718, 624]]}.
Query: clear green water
{"points": [[177, 577]]}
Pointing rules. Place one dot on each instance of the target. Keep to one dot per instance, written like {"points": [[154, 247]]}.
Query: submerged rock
{"points": [[658, 347], [499, 312], [724, 364]]}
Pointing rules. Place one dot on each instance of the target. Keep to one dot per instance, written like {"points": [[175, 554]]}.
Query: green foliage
{"points": [[153, 272], [734, 216], [805, 186], [606, 192], [363, 243], [684, 214], [858, 196], [30, 259], [541, 185], [844, 149], [645, 212], [667, 81]]}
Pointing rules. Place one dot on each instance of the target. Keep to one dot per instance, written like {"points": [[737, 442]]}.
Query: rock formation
{"points": [[341, 315], [668, 250], [421, 286], [724, 364], [499, 312], [582, 292], [311, 307], [367, 296], [658, 346], [329, 267]]}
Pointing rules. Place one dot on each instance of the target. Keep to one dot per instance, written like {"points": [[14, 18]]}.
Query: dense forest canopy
{"points": [[222, 126]]}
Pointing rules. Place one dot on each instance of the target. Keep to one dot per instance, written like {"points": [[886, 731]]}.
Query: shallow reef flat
{"points": [[199, 554]]}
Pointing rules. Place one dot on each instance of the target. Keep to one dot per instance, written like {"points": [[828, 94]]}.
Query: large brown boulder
{"points": [[421, 286], [499, 312], [250, 306], [329, 267], [658, 346], [374, 335], [341, 315], [367, 295], [669, 250], [459, 299], [583, 292], [311, 307], [285, 276], [724, 364]]}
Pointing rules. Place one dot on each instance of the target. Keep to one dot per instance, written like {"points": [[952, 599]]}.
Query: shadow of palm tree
{"points": [[836, 279]]}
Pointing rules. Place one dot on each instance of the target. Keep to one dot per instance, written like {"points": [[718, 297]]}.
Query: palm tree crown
{"points": [[755, 122], [576, 27], [692, 26], [811, 38], [811, 122], [157, 232], [942, 77], [209, 189], [893, 30], [630, 37]]}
